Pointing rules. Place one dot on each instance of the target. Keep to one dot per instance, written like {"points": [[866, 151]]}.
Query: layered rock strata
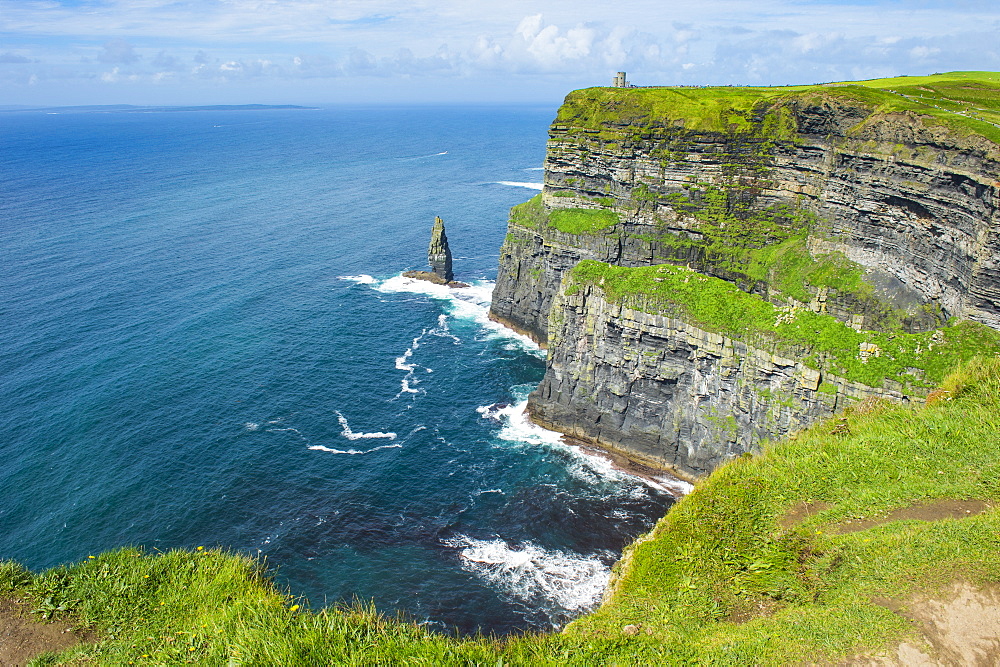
{"points": [[915, 207], [439, 257], [439, 253], [787, 201], [671, 395]]}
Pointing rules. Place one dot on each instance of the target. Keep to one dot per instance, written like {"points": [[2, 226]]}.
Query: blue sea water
{"points": [[205, 340]]}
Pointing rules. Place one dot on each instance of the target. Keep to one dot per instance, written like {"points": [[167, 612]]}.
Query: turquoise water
{"points": [[205, 341]]}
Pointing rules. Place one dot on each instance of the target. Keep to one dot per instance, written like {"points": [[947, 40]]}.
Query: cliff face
{"points": [[671, 395], [913, 206], [822, 202]]}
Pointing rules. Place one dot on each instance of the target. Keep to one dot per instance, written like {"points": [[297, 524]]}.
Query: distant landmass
{"points": [[129, 108]]}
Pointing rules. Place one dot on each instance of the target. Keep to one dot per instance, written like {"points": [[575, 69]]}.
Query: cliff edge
{"points": [[855, 224]]}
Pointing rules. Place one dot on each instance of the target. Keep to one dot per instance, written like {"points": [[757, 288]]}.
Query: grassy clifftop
{"points": [[813, 551], [965, 102], [918, 361]]}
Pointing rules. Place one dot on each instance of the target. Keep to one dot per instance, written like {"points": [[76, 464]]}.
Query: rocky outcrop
{"points": [[438, 253], [671, 395], [439, 257], [820, 202]]}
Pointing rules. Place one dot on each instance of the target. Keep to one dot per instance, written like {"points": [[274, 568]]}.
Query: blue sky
{"points": [[383, 51]]}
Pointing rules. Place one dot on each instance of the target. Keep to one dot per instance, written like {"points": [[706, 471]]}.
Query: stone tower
{"points": [[439, 254], [620, 81]]}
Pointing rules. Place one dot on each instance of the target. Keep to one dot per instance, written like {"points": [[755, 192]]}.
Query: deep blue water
{"points": [[204, 340]]}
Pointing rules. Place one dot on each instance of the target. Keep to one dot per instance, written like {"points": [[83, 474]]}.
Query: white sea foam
{"points": [[421, 157], [521, 184], [345, 430], [468, 303], [442, 330], [321, 448], [672, 485], [251, 426], [534, 168], [363, 279], [519, 429], [402, 359], [411, 368], [528, 572], [586, 466]]}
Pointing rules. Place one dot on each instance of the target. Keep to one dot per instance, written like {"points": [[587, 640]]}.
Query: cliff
{"points": [[872, 205]]}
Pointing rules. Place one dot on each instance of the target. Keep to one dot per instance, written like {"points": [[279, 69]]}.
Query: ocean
{"points": [[206, 341]]}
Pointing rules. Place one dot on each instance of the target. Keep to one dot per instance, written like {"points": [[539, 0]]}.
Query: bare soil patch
{"points": [[959, 627], [930, 511], [22, 637], [801, 512]]}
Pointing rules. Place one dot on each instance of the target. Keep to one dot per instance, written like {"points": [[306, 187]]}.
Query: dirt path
{"points": [[959, 627], [23, 638]]}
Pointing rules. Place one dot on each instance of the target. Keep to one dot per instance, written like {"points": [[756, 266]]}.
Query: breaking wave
{"points": [[345, 430], [467, 303], [571, 582], [363, 279], [589, 467], [522, 184], [321, 448]]}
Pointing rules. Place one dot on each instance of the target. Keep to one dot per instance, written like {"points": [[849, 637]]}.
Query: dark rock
{"points": [[669, 394], [438, 253], [433, 278], [439, 257]]}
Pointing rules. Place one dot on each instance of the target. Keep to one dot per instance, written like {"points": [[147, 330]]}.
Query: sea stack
{"points": [[439, 257], [438, 253]]}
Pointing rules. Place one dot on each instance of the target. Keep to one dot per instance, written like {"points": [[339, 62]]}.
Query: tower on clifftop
{"points": [[620, 81]]}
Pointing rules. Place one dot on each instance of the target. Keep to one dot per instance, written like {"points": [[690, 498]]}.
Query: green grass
{"points": [[533, 215], [212, 607], [582, 220], [716, 109], [530, 214], [790, 269], [940, 99], [722, 576], [918, 361], [719, 580]]}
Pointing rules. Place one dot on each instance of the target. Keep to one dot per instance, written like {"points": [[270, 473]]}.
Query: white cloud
{"points": [[552, 43], [923, 52]]}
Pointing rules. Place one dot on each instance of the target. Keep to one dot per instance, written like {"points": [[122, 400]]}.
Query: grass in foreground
{"points": [[723, 581], [720, 580]]}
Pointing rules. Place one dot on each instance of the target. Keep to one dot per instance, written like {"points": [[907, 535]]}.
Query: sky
{"points": [[322, 52]]}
